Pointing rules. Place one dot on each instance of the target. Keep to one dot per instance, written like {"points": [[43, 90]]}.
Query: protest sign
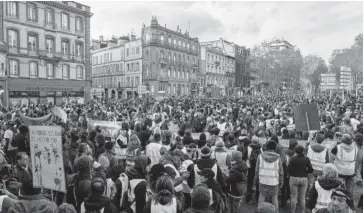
{"points": [[47, 157], [306, 117], [196, 136], [108, 128], [60, 113], [35, 121]]}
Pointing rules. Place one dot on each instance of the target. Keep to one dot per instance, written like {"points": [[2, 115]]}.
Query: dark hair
{"points": [[299, 150], [164, 190], [20, 155], [97, 186]]}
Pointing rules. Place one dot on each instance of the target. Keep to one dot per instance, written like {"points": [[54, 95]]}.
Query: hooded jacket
{"points": [[202, 164], [271, 156], [349, 148], [326, 184], [318, 148], [96, 203], [138, 171], [237, 174], [33, 203]]}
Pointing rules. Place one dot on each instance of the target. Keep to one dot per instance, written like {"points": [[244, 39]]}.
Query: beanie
{"points": [[271, 145], [275, 138], [200, 196], [202, 137], [237, 156], [205, 152], [320, 138], [266, 208], [346, 139]]}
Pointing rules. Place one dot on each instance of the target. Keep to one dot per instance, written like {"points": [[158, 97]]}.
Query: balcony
{"points": [[13, 50], [65, 56], [33, 52], [58, 56], [49, 26], [162, 78], [163, 61], [43, 54]]}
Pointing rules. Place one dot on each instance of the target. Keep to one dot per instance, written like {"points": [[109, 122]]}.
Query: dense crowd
{"points": [[191, 155]]}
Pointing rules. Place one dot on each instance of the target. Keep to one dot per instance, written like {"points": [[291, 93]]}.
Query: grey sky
{"points": [[314, 27]]}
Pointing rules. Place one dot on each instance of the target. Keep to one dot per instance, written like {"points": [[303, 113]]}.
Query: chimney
{"points": [[101, 38]]}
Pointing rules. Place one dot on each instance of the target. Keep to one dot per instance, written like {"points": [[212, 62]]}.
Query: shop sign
{"points": [[46, 88]]}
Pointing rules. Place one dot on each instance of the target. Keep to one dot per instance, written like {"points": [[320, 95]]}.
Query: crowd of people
{"points": [[191, 155]]}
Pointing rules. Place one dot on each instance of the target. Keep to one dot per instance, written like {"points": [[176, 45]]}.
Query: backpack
{"points": [[254, 156], [110, 188], [124, 179], [83, 210]]}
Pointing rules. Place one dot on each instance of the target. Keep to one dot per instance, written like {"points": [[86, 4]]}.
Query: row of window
{"points": [[114, 68], [50, 42], [180, 89], [107, 57], [12, 10], [219, 59], [178, 43], [176, 58], [50, 70], [218, 70], [130, 81]]}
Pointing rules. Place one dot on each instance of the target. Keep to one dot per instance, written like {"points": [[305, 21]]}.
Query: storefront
{"points": [[42, 91]]}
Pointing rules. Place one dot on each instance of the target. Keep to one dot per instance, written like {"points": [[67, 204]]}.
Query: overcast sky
{"points": [[314, 27]]}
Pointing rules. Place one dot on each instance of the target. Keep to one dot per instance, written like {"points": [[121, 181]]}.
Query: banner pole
{"points": [[308, 125]]}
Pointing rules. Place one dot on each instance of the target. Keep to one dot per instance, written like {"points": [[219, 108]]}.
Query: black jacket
{"points": [[326, 184], [96, 203], [299, 166]]}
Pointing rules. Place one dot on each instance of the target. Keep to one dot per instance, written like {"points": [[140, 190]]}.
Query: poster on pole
{"points": [[301, 119], [108, 128], [47, 157]]}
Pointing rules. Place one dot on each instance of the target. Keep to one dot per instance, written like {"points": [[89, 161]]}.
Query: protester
{"points": [[32, 200], [341, 202], [270, 172], [96, 201], [298, 169], [164, 199], [200, 198]]}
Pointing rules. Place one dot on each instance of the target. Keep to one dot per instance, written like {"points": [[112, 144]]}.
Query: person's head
{"points": [[134, 142], [206, 174], [266, 208], [116, 171], [341, 200], [292, 143], [359, 139], [23, 129], [205, 152], [200, 197], [164, 190], [237, 157], [329, 170], [22, 159], [97, 186], [156, 172], [141, 164], [299, 150], [109, 145], [320, 138], [82, 148], [271, 145], [66, 208], [346, 139]]}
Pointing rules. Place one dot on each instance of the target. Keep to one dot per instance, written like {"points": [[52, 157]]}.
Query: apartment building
{"points": [[170, 61], [47, 51]]}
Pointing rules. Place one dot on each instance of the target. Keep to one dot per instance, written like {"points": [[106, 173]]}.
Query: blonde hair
{"points": [[329, 170]]}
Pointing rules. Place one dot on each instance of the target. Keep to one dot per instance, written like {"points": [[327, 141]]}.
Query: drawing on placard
{"points": [[46, 152]]}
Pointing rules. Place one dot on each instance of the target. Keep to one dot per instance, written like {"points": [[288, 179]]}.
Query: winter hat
{"points": [[340, 192], [255, 139], [205, 152], [237, 156], [266, 208], [219, 143], [156, 171], [206, 172], [200, 197], [109, 145], [187, 140], [271, 145], [96, 165], [66, 208], [346, 139]]}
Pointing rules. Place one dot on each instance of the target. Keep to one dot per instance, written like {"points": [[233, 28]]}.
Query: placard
{"points": [[300, 117], [47, 157], [108, 128]]}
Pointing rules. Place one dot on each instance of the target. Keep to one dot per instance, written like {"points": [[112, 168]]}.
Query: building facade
{"points": [[108, 71], [170, 61], [219, 69], [117, 68], [48, 57]]}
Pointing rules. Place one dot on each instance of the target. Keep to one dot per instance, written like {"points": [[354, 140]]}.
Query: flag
{"points": [[35, 121]]}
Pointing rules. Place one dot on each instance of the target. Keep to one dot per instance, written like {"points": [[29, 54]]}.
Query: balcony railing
{"points": [[13, 50], [49, 25], [162, 78]]}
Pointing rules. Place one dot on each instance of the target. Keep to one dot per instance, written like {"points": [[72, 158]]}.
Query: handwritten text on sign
{"points": [[47, 157]]}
